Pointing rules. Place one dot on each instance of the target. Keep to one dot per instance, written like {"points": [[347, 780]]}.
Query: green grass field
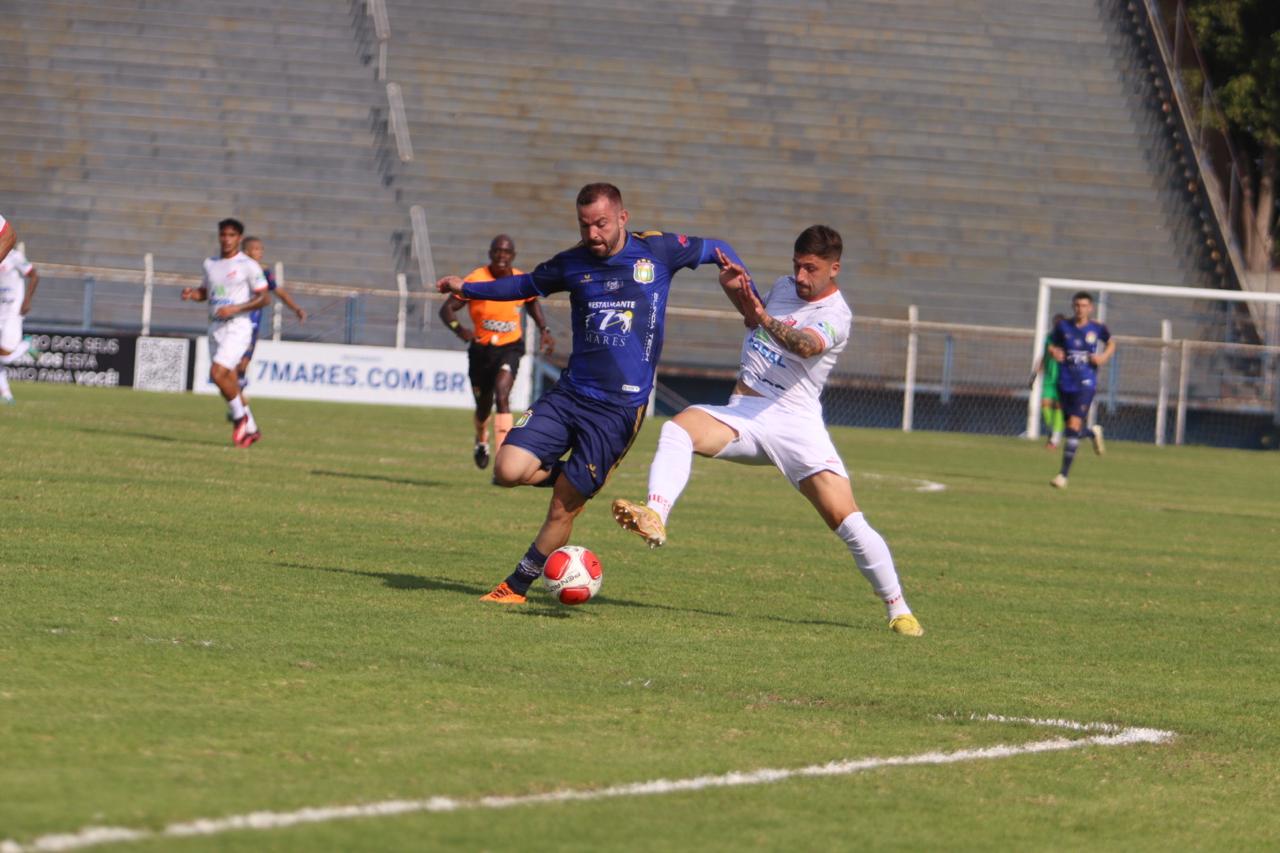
{"points": [[192, 631]]}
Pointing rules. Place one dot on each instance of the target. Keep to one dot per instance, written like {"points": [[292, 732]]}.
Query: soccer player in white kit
{"points": [[234, 286], [775, 416], [18, 280], [8, 239]]}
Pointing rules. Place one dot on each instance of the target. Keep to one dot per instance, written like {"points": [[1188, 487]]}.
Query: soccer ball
{"points": [[572, 574]]}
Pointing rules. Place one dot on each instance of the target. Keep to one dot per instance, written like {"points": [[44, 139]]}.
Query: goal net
{"points": [[1192, 365]]}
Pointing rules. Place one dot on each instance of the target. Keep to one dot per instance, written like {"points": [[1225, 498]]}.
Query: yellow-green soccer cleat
{"points": [[907, 625], [641, 520], [1099, 446]]}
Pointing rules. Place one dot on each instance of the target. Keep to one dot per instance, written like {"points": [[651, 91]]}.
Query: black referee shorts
{"points": [[485, 361]]}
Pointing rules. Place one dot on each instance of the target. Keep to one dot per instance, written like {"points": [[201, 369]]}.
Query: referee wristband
{"points": [[454, 324]]}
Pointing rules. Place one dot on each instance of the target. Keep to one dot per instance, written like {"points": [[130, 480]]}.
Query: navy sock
{"points": [[528, 570], [1069, 450], [1086, 432]]}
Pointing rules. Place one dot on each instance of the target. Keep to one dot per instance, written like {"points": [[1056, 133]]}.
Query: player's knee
{"points": [[672, 431], [510, 471]]}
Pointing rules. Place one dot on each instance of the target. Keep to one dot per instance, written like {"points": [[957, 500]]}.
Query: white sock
{"points": [[252, 426], [874, 561], [18, 352], [669, 473], [4, 382], [237, 407]]}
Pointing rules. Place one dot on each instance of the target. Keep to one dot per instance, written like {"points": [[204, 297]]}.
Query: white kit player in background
{"points": [[775, 416], [8, 239], [235, 287], [18, 280]]}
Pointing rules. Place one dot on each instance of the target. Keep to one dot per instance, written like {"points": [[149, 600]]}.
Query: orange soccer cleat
{"points": [[503, 594]]}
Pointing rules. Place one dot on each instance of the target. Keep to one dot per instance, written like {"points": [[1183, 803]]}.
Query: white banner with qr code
{"points": [[160, 364], [358, 374]]}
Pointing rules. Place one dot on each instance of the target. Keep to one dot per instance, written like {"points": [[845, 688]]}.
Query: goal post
{"points": [[1044, 301]]}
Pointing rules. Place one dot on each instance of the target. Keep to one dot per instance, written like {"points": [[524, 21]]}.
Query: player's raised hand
{"points": [[450, 284], [752, 308], [732, 276]]}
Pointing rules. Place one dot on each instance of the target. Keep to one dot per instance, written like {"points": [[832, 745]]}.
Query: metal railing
{"points": [[906, 374], [396, 127], [1226, 175], [399, 123], [377, 10]]}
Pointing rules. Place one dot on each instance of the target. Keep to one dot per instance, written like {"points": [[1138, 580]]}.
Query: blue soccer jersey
{"points": [[1079, 342], [618, 306], [256, 316]]}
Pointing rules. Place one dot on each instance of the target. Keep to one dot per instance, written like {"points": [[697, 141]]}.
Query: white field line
{"points": [[1106, 734], [917, 484]]}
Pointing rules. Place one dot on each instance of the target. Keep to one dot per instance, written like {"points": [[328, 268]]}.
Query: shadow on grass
{"points": [[377, 478], [542, 607], [399, 580], [149, 436]]}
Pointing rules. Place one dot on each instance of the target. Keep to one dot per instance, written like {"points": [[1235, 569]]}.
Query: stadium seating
{"points": [[964, 149], [134, 127]]}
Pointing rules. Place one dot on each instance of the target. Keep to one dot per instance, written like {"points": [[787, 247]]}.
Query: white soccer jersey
{"points": [[785, 377], [13, 284], [232, 281]]}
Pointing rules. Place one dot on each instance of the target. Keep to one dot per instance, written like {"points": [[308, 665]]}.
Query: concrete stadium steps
{"points": [[963, 147], [138, 127]]}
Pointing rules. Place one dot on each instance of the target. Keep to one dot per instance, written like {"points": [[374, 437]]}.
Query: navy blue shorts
{"points": [[596, 434], [253, 341], [1076, 403]]}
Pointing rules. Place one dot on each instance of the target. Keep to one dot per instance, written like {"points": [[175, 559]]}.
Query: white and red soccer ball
{"points": [[572, 574]]}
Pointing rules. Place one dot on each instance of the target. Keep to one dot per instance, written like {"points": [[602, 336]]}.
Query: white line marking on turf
{"points": [[1106, 734], [919, 484]]}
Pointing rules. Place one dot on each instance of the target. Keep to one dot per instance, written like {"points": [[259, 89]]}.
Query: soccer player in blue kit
{"points": [[1074, 343], [617, 284]]}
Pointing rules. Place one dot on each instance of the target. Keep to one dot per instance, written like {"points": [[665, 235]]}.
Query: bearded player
{"points": [[617, 283]]}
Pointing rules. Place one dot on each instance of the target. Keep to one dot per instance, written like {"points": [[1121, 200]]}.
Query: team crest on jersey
{"points": [[1091, 338], [643, 271], [524, 419]]}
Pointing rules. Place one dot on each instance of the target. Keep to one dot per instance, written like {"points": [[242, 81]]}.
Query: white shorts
{"points": [[796, 442], [10, 332], [229, 341]]}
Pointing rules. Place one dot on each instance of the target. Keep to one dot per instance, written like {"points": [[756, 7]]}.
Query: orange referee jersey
{"points": [[496, 323]]}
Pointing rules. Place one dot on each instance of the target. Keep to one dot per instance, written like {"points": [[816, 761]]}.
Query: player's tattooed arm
{"points": [[799, 341], [802, 342]]}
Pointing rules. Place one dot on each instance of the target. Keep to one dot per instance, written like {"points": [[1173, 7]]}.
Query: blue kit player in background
{"points": [[252, 246], [617, 284], [1074, 344]]}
